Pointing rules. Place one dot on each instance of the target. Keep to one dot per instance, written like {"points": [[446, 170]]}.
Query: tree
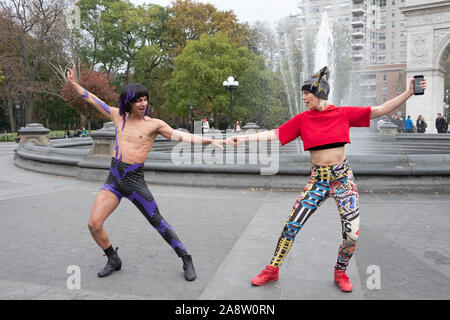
{"points": [[188, 20], [96, 82], [200, 71], [199, 74], [34, 31], [259, 96], [90, 33]]}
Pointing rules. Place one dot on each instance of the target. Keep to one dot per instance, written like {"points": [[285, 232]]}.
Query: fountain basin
{"points": [[248, 167]]}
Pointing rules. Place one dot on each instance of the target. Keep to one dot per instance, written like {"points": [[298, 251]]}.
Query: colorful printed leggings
{"points": [[127, 180], [325, 181]]}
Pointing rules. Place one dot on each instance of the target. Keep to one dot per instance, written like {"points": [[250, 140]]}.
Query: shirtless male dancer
{"points": [[135, 134]]}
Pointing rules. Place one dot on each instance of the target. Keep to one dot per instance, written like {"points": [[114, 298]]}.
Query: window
{"points": [[392, 45], [383, 25], [403, 44], [403, 23], [403, 34], [403, 54], [382, 3], [393, 24], [384, 90], [382, 46], [382, 36], [393, 13], [393, 2], [382, 14], [314, 9], [384, 78], [343, 18]]}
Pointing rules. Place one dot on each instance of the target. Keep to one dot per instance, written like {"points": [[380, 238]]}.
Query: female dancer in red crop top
{"points": [[324, 130]]}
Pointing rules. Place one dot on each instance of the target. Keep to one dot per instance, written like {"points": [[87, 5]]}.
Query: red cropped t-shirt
{"points": [[317, 128]]}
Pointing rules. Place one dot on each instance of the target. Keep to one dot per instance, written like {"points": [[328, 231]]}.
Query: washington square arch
{"points": [[428, 25]]}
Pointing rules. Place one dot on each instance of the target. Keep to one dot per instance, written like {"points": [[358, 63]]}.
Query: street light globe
{"points": [[236, 83], [230, 80], [225, 83]]}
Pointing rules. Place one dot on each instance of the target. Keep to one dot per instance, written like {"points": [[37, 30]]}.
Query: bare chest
{"points": [[139, 135]]}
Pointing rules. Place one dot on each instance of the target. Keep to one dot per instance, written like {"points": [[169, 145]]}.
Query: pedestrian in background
{"points": [[441, 124], [408, 125], [421, 125]]}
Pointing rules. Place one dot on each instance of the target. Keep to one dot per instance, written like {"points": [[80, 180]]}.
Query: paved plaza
{"points": [[403, 252]]}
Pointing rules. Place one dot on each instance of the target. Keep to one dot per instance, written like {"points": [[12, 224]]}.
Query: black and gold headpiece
{"points": [[318, 84]]}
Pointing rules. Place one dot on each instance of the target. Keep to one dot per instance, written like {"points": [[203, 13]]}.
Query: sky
{"points": [[246, 10]]}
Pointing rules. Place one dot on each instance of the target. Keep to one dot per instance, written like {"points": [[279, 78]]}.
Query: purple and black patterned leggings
{"points": [[127, 180], [336, 181]]}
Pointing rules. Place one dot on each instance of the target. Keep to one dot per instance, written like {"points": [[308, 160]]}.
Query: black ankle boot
{"points": [[114, 264], [188, 267]]}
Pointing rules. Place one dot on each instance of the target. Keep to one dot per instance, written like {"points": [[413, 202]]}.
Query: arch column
{"points": [[428, 25]]}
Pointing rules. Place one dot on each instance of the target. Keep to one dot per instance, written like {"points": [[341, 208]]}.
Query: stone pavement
{"points": [[403, 251]]}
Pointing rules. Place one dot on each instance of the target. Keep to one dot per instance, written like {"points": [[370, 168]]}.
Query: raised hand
{"points": [[70, 74], [423, 84]]}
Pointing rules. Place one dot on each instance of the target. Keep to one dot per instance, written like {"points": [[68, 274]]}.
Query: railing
{"points": [[359, 7], [358, 43], [357, 53], [358, 31], [359, 20]]}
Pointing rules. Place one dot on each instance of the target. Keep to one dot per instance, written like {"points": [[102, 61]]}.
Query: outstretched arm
{"points": [[92, 99], [390, 105], [175, 135], [260, 136]]}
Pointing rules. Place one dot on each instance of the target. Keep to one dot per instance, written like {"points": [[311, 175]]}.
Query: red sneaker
{"points": [[269, 274], [342, 280]]}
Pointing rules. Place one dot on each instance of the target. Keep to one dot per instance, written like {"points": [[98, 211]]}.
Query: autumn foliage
{"points": [[95, 82]]}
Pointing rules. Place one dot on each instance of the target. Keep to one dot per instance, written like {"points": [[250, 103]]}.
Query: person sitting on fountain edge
{"points": [[135, 134], [324, 130]]}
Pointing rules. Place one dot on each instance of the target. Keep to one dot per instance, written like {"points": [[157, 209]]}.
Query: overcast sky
{"points": [[246, 10]]}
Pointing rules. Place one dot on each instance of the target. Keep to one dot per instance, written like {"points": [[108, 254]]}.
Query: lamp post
{"points": [[191, 107], [17, 108], [231, 85]]}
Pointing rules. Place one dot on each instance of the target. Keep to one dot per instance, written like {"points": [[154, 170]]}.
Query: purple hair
{"points": [[130, 93]]}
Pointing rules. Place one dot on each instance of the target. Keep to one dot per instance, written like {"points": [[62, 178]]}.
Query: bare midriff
{"points": [[328, 157]]}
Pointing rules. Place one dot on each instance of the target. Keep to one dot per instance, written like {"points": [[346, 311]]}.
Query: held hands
{"points": [[234, 141]]}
